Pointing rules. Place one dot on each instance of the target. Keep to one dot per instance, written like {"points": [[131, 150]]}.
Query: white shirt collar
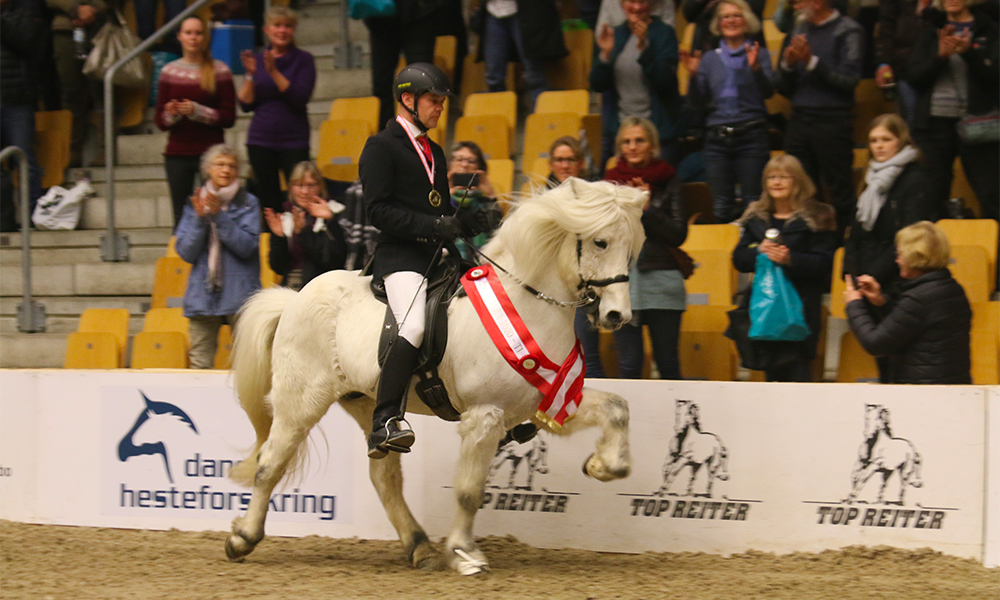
{"points": [[412, 128]]}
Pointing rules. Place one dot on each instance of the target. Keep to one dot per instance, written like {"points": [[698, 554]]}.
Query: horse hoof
{"points": [[237, 548], [585, 461], [469, 563]]}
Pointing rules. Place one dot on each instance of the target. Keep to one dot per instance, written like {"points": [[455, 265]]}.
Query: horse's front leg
{"points": [[609, 412], [481, 429], [670, 472]]}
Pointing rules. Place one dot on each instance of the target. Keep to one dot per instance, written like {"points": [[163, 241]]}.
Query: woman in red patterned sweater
{"points": [[195, 102]]}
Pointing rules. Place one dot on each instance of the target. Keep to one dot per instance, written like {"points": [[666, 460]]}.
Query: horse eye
{"points": [[602, 244]]}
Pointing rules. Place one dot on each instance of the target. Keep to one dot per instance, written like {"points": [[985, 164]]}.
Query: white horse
{"points": [[882, 453], [295, 354], [690, 447]]}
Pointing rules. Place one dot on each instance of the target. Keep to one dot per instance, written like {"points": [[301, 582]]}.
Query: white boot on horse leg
{"points": [[609, 412], [481, 429]]}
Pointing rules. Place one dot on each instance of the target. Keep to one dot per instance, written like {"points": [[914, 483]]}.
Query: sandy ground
{"points": [[42, 562]]}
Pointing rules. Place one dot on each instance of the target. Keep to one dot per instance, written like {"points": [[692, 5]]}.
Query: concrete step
{"points": [[326, 26], [64, 325], [73, 256], [73, 306], [137, 204], [32, 350], [81, 238], [149, 190], [102, 279]]}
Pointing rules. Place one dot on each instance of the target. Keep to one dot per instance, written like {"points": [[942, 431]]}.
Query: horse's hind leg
{"points": [[609, 412], [387, 477], [482, 429]]}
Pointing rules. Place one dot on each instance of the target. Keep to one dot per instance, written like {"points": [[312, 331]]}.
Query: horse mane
{"points": [[541, 229]]}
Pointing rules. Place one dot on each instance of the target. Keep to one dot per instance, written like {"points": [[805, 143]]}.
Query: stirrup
{"points": [[393, 439]]}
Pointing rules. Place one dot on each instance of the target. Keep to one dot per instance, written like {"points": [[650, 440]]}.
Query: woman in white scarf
{"points": [[893, 195], [219, 235]]}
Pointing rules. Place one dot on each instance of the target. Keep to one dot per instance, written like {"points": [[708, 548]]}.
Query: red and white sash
{"points": [[561, 386]]}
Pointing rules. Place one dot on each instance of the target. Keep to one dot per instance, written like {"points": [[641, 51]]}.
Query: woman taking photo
{"points": [[277, 87], [470, 187], [656, 284], [730, 84], [637, 62], [195, 102], [306, 239], [807, 239], [925, 333]]}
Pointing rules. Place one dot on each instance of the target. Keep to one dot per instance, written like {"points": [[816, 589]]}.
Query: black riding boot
{"points": [[386, 432]]}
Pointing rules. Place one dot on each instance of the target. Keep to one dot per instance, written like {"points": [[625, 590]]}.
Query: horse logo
{"points": [[155, 420], [531, 456], [884, 454], [691, 447]]}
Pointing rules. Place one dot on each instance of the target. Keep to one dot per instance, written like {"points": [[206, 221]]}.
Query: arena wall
{"points": [[775, 466]]}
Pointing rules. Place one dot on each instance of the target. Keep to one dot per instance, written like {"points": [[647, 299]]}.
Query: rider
{"points": [[404, 178]]}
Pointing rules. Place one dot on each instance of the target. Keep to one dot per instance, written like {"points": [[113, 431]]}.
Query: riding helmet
{"points": [[420, 78]]}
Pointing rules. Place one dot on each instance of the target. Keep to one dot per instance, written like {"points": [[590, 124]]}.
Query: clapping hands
{"points": [[797, 51]]}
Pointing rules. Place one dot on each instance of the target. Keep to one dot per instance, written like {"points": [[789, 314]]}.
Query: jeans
{"points": [[664, 332], [17, 128], [731, 161], [181, 174], [797, 370], [939, 144], [266, 163], [502, 38], [825, 146], [389, 36]]}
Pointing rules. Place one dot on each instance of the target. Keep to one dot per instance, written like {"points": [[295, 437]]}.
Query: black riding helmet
{"points": [[418, 79]]}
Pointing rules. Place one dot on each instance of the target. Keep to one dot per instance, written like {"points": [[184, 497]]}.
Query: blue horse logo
{"points": [[153, 414]]}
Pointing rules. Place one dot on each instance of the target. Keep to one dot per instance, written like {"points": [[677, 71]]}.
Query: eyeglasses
{"points": [[225, 165], [732, 17], [778, 178], [568, 160], [466, 160]]}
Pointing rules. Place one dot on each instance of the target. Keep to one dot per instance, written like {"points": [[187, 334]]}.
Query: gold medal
{"points": [[435, 198]]}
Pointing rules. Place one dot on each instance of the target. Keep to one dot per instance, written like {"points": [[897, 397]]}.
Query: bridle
{"points": [[588, 296]]}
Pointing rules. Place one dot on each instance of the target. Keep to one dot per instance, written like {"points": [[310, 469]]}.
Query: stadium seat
{"points": [[224, 351], [541, 129], [837, 286], [169, 281], [698, 202], [856, 365], [501, 173], [576, 101], [495, 103], [869, 102], [974, 232], [960, 188], [683, 75], [714, 278], [364, 109], [773, 38], [108, 320], [340, 145], [159, 350], [91, 350], [445, 47], [714, 237], [490, 132], [166, 319], [706, 317], [707, 355], [573, 71], [130, 104], [591, 127], [474, 77], [172, 247], [985, 363], [538, 171], [986, 316], [52, 142], [268, 278], [971, 268]]}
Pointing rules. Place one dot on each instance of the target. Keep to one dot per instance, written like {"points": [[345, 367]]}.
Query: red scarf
{"points": [[657, 171]]}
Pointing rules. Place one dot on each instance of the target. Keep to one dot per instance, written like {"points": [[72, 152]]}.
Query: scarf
{"points": [[878, 181], [225, 196], [657, 171]]}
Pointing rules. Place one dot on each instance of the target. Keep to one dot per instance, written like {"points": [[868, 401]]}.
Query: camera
{"points": [[464, 180]]}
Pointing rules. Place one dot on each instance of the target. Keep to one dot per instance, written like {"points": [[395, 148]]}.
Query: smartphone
{"points": [[465, 180]]}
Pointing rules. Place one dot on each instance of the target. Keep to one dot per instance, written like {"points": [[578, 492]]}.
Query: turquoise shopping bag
{"points": [[775, 306]]}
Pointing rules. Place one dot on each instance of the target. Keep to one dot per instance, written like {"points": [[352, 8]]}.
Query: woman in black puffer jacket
{"points": [[925, 332]]}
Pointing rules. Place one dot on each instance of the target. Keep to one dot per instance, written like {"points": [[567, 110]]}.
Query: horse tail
{"points": [[252, 367], [723, 459]]}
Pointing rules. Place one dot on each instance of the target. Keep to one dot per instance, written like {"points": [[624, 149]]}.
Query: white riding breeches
{"points": [[407, 293]]}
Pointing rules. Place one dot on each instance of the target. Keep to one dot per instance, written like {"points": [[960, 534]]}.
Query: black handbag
{"points": [[757, 355]]}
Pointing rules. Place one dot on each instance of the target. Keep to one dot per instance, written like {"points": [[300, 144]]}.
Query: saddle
{"points": [[443, 282]]}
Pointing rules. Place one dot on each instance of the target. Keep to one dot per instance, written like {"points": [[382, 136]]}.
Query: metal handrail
{"points": [[30, 314], [114, 245]]}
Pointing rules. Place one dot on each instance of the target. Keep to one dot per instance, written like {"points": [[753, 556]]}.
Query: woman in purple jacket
{"points": [[278, 85]]}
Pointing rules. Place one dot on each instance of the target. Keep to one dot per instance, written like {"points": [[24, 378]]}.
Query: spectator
{"points": [[195, 102], [79, 94], [145, 20], [898, 27], [566, 160], [925, 333], [702, 14], [637, 63], [808, 238], [529, 29], [306, 239], [219, 235], [612, 15], [21, 29], [278, 85], [731, 84], [471, 188], [656, 283], [955, 69], [820, 67]]}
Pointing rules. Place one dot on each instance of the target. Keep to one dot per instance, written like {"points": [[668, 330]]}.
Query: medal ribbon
{"points": [[428, 166], [561, 385]]}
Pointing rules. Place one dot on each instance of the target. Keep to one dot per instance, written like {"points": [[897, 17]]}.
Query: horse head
{"points": [[580, 237], [874, 420], [151, 422]]}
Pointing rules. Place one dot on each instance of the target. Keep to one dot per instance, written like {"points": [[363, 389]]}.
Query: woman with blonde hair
{"points": [[195, 102], [925, 328], [306, 239], [799, 234]]}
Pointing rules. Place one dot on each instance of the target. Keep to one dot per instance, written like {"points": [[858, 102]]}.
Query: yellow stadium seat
{"points": [[974, 232], [538, 171], [474, 77], [490, 132], [495, 103], [715, 237], [364, 109], [591, 127], [986, 316], [683, 75], [869, 102], [773, 38], [169, 281], [856, 365], [444, 54], [224, 351], [541, 129], [340, 146], [985, 363], [573, 71], [91, 350], [707, 355], [706, 317], [565, 101], [501, 173], [698, 202], [971, 268], [131, 103], [960, 188], [714, 278], [52, 143], [166, 319], [172, 247], [159, 350], [837, 286], [108, 320], [268, 278]]}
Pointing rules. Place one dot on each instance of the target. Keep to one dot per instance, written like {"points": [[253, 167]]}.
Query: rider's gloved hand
{"points": [[447, 228], [483, 219]]}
